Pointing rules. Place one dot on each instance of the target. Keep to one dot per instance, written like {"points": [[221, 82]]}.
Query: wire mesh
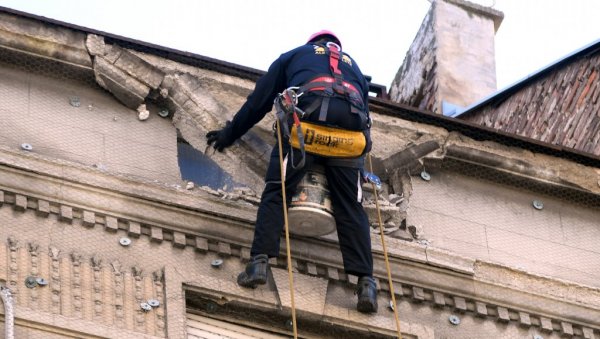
{"points": [[465, 208]]}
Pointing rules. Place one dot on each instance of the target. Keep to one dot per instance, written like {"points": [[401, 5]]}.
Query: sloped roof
{"points": [[556, 105], [498, 96]]}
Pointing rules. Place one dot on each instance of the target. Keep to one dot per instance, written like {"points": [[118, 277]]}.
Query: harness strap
{"points": [[334, 57], [313, 106], [323, 83], [327, 86], [324, 109], [334, 60]]}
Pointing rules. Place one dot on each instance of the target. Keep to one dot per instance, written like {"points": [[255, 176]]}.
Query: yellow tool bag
{"points": [[329, 141]]}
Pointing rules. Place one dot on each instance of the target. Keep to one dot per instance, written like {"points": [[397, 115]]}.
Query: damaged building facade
{"points": [[117, 220]]}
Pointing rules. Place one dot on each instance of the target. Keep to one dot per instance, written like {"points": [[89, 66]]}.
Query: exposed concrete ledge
{"points": [[496, 274], [538, 173], [64, 326], [520, 166], [46, 41], [133, 81], [492, 301], [35, 169], [437, 147]]}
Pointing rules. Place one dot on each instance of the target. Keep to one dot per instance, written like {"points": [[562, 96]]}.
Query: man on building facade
{"points": [[332, 99]]}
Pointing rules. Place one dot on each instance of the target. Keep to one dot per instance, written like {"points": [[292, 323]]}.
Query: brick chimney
{"points": [[451, 62]]}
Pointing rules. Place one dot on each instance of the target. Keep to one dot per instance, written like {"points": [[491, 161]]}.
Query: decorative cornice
{"points": [[61, 285], [417, 277]]}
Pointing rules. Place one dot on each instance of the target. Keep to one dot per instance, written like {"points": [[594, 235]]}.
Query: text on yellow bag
{"points": [[329, 141]]}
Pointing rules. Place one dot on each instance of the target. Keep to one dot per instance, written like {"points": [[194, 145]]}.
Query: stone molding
{"points": [[104, 300], [423, 274], [48, 41], [61, 325]]}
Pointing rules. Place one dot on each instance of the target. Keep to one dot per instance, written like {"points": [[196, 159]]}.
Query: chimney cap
{"points": [[494, 14]]}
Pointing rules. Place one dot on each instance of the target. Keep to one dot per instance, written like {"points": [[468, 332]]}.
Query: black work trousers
{"points": [[346, 194]]}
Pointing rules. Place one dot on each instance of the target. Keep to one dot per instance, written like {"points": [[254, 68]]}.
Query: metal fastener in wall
{"points": [[30, 282], [537, 336], [41, 281], [26, 147], [163, 113], [538, 205], [425, 176], [216, 263], [153, 303], [74, 101], [145, 307], [125, 241], [454, 320]]}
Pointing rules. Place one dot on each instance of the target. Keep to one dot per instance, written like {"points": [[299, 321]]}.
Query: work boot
{"points": [[255, 272], [366, 290]]}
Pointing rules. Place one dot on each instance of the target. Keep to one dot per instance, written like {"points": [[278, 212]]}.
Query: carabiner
{"points": [[331, 43], [293, 94]]}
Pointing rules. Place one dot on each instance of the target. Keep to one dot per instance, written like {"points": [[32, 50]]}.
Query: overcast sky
{"points": [[377, 33]]}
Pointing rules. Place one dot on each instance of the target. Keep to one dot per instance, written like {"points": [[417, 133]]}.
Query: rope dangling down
{"points": [[285, 215], [385, 254]]}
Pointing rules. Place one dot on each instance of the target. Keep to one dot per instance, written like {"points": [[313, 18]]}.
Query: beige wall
{"points": [[466, 56], [499, 224], [101, 132]]}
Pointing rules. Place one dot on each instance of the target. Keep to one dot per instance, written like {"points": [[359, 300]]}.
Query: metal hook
{"points": [[292, 92]]}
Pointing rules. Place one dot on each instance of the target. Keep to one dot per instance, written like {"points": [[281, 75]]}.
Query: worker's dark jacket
{"points": [[296, 68]]}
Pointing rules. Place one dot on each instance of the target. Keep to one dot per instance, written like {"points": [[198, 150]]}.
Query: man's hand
{"points": [[221, 138]]}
